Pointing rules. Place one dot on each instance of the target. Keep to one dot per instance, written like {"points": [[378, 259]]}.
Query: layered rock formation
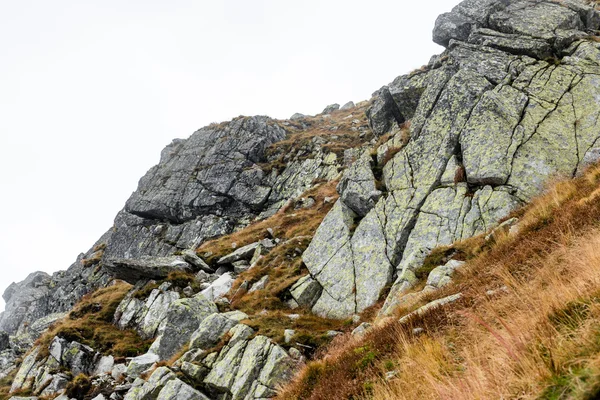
{"points": [[510, 103], [449, 151]]}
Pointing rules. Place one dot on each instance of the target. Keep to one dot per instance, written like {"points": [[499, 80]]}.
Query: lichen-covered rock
{"points": [[491, 113], [357, 187], [212, 329], [145, 316], [151, 389], [442, 275], [219, 287], [20, 380], [183, 318], [330, 108], [142, 363], [249, 369], [306, 291], [178, 390]]}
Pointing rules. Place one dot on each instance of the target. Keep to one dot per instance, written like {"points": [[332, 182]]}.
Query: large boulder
{"points": [[183, 318], [214, 327]]}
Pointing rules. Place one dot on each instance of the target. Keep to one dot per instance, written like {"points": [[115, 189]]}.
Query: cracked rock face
{"points": [[494, 121]]}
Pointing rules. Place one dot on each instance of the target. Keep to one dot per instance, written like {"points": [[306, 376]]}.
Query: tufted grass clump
{"points": [[79, 387]]}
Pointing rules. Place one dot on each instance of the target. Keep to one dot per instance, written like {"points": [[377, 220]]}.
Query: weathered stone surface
{"points": [[213, 328], [178, 390], [183, 318], [384, 112], [442, 275], [406, 90], [198, 263], [306, 291], [259, 365], [486, 141], [151, 389], [4, 341], [260, 284], [219, 287], [243, 253], [434, 304], [466, 16], [329, 260], [330, 108], [348, 106], [357, 187], [145, 316], [490, 113], [141, 363], [133, 270], [297, 116]]}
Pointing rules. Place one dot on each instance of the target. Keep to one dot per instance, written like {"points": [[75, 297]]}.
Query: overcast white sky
{"points": [[91, 91]]}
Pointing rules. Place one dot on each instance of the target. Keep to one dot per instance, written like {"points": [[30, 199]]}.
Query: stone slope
{"points": [[512, 102], [449, 151]]}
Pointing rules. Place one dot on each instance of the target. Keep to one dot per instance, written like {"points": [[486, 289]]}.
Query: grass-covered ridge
{"points": [[528, 325]]}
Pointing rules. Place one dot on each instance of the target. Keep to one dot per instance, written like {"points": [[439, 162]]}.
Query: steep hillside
{"points": [[519, 319], [257, 245]]}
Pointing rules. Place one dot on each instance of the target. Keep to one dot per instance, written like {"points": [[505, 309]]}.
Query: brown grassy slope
{"points": [[287, 224], [536, 337], [90, 323]]}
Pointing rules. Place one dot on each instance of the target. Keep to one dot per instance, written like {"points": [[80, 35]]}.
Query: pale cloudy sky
{"points": [[91, 91]]}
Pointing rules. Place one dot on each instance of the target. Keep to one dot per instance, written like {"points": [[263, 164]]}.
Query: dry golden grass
{"points": [[335, 141], [286, 224], [537, 337], [90, 323]]}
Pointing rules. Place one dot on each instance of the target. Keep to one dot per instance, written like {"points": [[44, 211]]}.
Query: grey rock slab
{"points": [[297, 116], [348, 106], [219, 287], [306, 291], [213, 328], [357, 187], [178, 390], [463, 18], [442, 275], [330, 108], [535, 19], [260, 284], [133, 270], [183, 318], [151, 389], [139, 364], [243, 253], [105, 365], [191, 257], [384, 112], [487, 139], [432, 305]]}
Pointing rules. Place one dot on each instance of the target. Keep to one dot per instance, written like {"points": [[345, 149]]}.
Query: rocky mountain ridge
{"points": [[439, 155]]}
